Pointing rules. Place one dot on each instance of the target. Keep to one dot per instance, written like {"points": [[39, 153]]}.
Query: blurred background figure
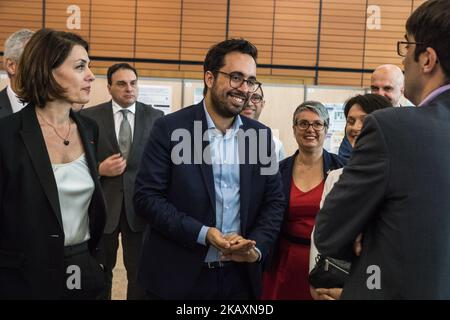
{"points": [[9, 102], [253, 109]]}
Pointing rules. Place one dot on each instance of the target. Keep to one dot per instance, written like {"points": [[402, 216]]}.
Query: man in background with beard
{"points": [[213, 211]]}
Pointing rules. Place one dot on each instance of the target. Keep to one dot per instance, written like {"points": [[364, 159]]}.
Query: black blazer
{"points": [[177, 200], [5, 104], [116, 189], [31, 231], [395, 189]]}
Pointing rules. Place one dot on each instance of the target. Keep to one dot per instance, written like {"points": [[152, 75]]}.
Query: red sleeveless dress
{"points": [[287, 278]]}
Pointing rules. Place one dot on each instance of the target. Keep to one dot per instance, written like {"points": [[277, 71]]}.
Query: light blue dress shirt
{"points": [[225, 165]]}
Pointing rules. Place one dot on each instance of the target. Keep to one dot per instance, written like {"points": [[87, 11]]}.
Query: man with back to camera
{"points": [[9, 103], [395, 188], [124, 127], [212, 217]]}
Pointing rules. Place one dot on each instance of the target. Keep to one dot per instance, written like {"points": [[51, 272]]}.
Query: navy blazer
{"points": [[31, 228], [395, 190], [177, 200]]}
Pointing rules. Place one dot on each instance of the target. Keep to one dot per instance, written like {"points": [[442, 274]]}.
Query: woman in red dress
{"points": [[303, 177]]}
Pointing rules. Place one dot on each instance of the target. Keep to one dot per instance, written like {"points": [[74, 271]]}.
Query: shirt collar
{"points": [[237, 123], [434, 94], [12, 95], [117, 108]]}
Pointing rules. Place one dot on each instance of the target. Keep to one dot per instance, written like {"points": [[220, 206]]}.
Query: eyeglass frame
{"points": [[261, 98], [257, 83], [310, 124], [407, 43]]}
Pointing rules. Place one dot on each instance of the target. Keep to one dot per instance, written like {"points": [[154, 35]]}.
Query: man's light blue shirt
{"points": [[225, 165]]}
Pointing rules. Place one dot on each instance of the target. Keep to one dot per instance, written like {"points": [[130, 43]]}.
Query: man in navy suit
{"points": [[209, 187], [395, 188], [9, 102]]}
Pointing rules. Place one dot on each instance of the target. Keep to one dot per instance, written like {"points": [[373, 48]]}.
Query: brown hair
{"points": [[45, 51]]}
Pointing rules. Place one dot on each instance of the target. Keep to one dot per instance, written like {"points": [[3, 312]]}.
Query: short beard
{"points": [[221, 108]]}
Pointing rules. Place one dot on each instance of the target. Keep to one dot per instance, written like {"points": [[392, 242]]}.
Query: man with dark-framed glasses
{"points": [[253, 110], [395, 188]]}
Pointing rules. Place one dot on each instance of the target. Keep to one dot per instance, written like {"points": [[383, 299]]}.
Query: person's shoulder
{"points": [[286, 161], [334, 175], [251, 123], [96, 108], [10, 121], [184, 114], [87, 121], [149, 108]]}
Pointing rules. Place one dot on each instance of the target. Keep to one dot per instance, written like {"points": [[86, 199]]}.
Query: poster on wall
{"points": [[336, 131], [159, 97]]}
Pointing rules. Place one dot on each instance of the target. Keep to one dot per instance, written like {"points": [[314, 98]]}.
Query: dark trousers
{"points": [[227, 283], [84, 277], [131, 246]]}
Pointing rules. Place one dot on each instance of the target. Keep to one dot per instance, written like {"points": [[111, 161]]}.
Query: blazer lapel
{"points": [[245, 175], [206, 169], [34, 141], [140, 119], [286, 176], [110, 127]]}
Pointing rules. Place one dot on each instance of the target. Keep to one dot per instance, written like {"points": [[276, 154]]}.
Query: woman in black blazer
{"points": [[52, 211]]}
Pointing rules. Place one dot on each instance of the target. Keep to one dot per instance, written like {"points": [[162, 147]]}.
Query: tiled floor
{"points": [[119, 290]]}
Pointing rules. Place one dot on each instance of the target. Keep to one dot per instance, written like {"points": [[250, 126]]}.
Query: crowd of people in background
{"points": [[204, 199]]}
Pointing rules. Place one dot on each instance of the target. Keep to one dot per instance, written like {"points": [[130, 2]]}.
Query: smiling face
{"points": [[124, 87], [388, 82], [75, 76], [254, 106], [355, 120], [309, 139], [227, 101]]}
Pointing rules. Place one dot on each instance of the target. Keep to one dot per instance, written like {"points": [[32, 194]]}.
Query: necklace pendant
{"points": [[66, 142]]}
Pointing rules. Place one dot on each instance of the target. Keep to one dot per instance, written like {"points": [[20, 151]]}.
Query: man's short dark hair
{"points": [[215, 58], [118, 66], [369, 103], [430, 24], [46, 50]]}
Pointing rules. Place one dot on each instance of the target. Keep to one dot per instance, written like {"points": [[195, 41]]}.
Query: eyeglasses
{"points": [[402, 47], [236, 81], [304, 125], [256, 98]]}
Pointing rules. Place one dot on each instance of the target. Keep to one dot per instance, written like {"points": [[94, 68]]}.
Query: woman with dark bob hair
{"points": [[52, 211]]}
